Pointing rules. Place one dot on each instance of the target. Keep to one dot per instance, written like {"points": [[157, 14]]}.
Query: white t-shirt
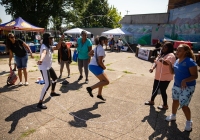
{"points": [[47, 61], [120, 43], [99, 52]]}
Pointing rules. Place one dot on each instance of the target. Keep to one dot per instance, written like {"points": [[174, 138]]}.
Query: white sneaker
{"points": [[170, 118], [26, 84], [20, 84], [188, 126], [86, 81]]}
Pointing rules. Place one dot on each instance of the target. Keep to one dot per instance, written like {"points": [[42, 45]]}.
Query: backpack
{"points": [[12, 78]]}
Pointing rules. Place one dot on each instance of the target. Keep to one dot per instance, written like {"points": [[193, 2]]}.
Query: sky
{"points": [[131, 7]]}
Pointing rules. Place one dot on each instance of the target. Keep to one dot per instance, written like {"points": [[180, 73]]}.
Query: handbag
{"points": [[75, 56], [12, 78]]}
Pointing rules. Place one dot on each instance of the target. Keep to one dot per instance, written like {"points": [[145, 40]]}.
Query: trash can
{"points": [[32, 49]]}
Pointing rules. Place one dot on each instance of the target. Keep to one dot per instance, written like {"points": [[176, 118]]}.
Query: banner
{"points": [[143, 53]]}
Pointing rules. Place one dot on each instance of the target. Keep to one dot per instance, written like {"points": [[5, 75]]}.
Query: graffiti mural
{"points": [[184, 23], [141, 33]]}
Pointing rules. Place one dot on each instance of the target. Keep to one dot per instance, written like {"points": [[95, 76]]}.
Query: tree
{"points": [[37, 12], [99, 14], [0, 21], [115, 17]]}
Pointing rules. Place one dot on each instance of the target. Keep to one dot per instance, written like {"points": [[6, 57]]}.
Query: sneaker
{"points": [[80, 77], [170, 118], [54, 94], [188, 126], [163, 107], [68, 76], [86, 81], [20, 84], [26, 84], [60, 76], [41, 106], [100, 97], [89, 90]]}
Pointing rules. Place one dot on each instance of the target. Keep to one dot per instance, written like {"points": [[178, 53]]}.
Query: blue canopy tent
{"points": [[19, 24]]}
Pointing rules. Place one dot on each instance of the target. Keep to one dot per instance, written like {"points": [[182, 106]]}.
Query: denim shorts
{"points": [[96, 70], [21, 62], [183, 95]]}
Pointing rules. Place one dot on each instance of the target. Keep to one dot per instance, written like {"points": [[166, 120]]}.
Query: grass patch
{"points": [[27, 133], [74, 63], [37, 58], [55, 56], [127, 72], [31, 71], [108, 64], [110, 69], [105, 86]]}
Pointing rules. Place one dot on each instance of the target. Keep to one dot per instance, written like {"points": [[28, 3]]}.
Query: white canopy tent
{"points": [[119, 32], [76, 31], [116, 31]]}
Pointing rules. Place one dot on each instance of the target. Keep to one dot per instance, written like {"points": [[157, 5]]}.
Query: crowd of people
{"points": [[184, 69]]}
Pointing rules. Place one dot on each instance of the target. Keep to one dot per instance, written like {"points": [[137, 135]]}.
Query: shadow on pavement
{"points": [[21, 113], [8, 88], [4, 72], [163, 129], [71, 86], [81, 116]]}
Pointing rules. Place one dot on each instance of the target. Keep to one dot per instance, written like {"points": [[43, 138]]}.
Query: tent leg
{"points": [[126, 42]]}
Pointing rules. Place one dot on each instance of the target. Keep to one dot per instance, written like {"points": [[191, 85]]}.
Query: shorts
{"points": [[96, 70], [62, 63], [183, 95], [21, 62]]}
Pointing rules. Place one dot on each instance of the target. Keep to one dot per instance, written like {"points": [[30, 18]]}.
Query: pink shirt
{"points": [[162, 71]]}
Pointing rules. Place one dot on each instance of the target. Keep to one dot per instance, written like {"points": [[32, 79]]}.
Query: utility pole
{"points": [[127, 12]]}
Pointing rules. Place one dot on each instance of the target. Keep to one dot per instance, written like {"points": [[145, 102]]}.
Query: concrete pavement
{"points": [[75, 115]]}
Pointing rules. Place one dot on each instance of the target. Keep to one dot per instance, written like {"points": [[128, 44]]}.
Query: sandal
{"points": [[162, 107], [149, 103]]}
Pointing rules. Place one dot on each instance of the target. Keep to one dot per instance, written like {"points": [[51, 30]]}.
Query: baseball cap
{"points": [[47, 35]]}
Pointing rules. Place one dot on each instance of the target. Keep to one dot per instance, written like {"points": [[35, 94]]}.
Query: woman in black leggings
{"points": [[45, 66], [162, 74]]}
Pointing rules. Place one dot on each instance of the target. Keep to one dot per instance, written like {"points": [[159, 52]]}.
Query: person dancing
{"points": [[162, 74], [97, 66], [186, 73], [45, 66]]}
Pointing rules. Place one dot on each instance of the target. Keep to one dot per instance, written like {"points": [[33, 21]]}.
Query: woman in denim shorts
{"points": [[185, 70], [17, 47]]}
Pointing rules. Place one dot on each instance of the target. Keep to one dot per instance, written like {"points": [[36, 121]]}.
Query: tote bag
{"points": [[75, 56]]}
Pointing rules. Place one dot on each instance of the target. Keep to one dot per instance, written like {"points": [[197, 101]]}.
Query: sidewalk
{"points": [[75, 115]]}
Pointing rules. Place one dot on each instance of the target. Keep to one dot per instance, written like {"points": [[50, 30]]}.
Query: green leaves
{"points": [[78, 13]]}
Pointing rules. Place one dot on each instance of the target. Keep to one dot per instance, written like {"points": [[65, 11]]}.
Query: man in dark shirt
{"points": [[155, 51]]}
